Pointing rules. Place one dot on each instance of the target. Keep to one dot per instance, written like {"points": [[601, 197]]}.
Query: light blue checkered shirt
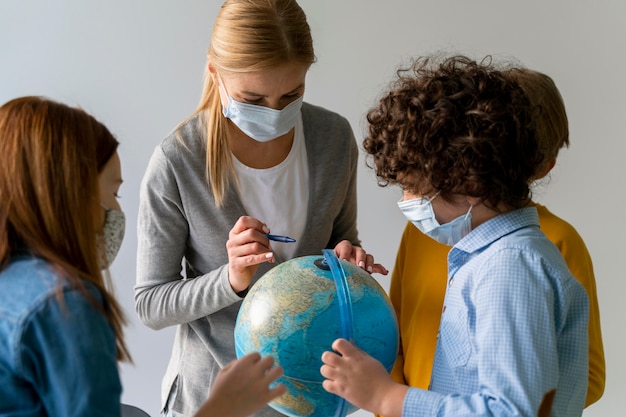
{"points": [[513, 327]]}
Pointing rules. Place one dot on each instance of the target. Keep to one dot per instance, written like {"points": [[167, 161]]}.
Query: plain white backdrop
{"points": [[138, 67]]}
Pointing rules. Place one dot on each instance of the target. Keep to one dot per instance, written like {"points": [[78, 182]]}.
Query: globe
{"points": [[294, 313]]}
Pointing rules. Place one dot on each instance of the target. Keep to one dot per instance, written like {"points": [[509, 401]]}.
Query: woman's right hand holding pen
{"points": [[247, 247]]}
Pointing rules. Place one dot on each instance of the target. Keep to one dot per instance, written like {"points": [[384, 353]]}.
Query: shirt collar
{"points": [[497, 227]]}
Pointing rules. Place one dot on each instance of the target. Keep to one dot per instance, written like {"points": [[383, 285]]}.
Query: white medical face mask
{"points": [[113, 234], [262, 123], [419, 211]]}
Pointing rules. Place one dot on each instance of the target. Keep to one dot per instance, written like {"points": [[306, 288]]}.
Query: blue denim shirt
{"points": [[57, 359], [513, 327]]}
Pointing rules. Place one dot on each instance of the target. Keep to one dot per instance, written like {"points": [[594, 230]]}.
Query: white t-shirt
{"points": [[279, 196]]}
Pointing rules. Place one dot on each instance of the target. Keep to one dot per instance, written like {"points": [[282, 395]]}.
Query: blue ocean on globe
{"points": [[295, 312]]}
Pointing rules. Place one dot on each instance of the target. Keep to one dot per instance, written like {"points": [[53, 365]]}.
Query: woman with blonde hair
{"points": [[252, 157]]}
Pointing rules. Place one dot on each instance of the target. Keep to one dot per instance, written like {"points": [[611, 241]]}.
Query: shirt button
{"points": [[451, 281], [443, 310]]}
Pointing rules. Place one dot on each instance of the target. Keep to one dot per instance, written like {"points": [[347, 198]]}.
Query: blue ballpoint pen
{"points": [[278, 238]]}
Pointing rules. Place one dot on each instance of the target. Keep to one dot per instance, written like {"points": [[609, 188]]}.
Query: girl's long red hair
{"points": [[50, 156]]}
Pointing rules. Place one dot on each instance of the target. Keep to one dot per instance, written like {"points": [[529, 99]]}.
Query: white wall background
{"points": [[138, 67]]}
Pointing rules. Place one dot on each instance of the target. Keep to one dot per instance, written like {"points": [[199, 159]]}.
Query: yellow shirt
{"points": [[418, 285]]}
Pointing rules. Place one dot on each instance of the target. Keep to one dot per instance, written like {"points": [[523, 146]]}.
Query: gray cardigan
{"points": [[179, 224]]}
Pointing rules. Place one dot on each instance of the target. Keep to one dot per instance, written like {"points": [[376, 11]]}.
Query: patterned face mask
{"points": [[113, 234]]}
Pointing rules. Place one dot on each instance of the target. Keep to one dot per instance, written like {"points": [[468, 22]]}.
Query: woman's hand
{"points": [[247, 247], [357, 255]]}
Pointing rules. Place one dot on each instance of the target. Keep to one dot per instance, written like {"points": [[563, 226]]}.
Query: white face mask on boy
{"points": [[419, 211]]}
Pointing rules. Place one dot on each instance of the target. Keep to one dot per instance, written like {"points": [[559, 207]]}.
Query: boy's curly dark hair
{"points": [[456, 126]]}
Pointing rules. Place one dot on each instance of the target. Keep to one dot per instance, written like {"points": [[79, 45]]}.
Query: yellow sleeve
{"points": [[575, 253], [417, 289], [395, 293], [397, 373]]}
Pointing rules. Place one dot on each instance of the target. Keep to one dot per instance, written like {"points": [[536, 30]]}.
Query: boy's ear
{"points": [[473, 201], [546, 169]]}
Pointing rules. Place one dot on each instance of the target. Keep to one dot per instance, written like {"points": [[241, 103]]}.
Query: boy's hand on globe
{"points": [[247, 247], [242, 387], [356, 255], [361, 380]]}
